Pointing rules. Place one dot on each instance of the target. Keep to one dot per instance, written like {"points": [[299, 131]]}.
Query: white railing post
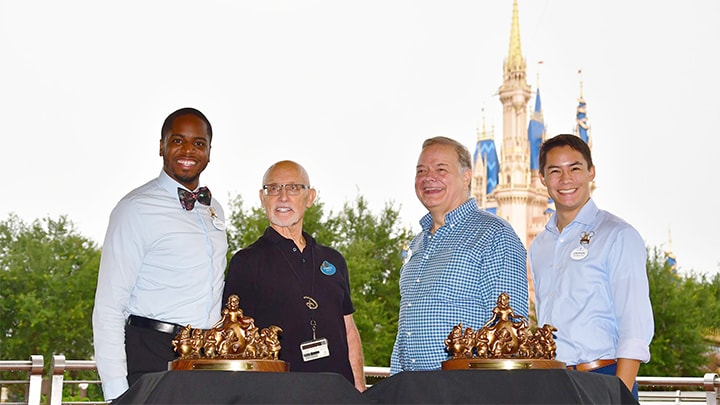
{"points": [[711, 384], [56, 379], [36, 372]]}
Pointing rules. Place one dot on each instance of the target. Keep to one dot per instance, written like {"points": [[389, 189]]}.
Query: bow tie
{"points": [[188, 198]]}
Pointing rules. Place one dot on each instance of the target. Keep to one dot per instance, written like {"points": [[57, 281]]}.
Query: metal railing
{"points": [[34, 369], [709, 395], [58, 367]]}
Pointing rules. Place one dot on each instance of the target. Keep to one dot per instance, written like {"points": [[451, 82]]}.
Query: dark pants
{"points": [[147, 351], [611, 370]]}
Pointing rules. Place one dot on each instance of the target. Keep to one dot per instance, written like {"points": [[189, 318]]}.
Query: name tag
{"points": [[314, 349]]}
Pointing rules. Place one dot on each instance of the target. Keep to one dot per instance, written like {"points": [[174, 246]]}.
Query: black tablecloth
{"points": [[240, 387], [551, 386], [547, 386]]}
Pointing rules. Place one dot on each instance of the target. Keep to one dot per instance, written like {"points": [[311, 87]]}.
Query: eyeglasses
{"points": [[291, 189]]}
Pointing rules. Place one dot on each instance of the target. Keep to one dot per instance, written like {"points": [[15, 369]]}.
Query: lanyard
{"points": [[310, 302]]}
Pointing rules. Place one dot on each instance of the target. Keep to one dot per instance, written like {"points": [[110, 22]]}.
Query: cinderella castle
{"points": [[509, 185]]}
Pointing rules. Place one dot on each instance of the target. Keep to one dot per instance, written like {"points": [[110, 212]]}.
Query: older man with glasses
{"points": [[287, 279]]}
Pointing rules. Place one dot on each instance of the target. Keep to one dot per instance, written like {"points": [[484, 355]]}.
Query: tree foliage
{"points": [[48, 274], [372, 246], [686, 309]]}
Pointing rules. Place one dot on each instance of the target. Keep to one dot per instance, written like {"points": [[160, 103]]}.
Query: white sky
{"points": [[350, 89]]}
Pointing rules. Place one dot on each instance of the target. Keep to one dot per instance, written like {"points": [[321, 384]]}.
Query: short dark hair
{"points": [[573, 141], [184, 111], [463, 152]]}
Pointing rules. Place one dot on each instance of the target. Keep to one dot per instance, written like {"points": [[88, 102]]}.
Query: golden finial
{"points": [[515, 59]]}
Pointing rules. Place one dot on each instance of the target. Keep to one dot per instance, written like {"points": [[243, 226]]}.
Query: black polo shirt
{"points": [[272, 276]]}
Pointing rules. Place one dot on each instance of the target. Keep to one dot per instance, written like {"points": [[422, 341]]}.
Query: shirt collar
{"points": [[170, 184], [273, 236], [452, 217], [586, 216]]}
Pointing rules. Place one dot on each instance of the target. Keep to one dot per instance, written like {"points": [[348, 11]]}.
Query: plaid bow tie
{"points": [[188, 198]]}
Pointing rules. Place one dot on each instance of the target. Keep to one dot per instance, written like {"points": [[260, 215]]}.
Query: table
{"points": [[547, 386], [234, 387]]}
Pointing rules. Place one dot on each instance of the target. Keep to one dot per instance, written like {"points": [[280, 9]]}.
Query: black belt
{"points": [[147, 323]]}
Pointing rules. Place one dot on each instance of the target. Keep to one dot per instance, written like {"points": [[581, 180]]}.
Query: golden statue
{"points": [[504, 341], [233, 337]]}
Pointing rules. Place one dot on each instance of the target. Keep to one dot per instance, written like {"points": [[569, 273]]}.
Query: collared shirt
{"points": [[455, 276], [598, 299], [273, 279], [158, 261]]}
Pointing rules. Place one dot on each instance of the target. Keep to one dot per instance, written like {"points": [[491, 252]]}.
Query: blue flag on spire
{"points": [[536, 129], [582, 120]]}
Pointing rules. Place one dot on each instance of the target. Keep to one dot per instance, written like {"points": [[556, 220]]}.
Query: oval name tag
{"points": [[579, 253]]}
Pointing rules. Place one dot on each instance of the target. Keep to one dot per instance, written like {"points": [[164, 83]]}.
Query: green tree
{"points": [[48, 274], [680, 304], [372, 246], [243, 227]]}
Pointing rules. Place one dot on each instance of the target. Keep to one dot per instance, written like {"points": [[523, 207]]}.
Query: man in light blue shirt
{"points": [[459, 264], [588, 267], [163, 260]]}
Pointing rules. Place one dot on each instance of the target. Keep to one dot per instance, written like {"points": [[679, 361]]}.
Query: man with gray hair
{"points": [[457, 266], [287, 279]]}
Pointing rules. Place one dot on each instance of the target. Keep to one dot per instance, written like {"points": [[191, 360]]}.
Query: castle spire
{"points": [[515, 59], [582, 128]]}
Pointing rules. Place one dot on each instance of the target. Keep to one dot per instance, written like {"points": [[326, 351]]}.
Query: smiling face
{"points": [[286, 211], [441, 184], [567, 178], [185, 149]]}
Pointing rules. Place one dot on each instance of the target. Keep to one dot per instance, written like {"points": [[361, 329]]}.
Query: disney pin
{"points": [[327, 268], [216, 221], [581, 251]]}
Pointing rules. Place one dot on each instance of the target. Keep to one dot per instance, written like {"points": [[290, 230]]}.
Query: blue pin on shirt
{"points": [[327, 268]]}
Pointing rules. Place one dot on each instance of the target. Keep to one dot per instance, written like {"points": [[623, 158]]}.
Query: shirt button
{"points": [[409, 333], [452, 225], [410, 304], [294, 249], [412, 361], [417, 281]]}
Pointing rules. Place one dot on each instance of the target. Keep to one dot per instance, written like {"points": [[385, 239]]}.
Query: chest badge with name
{"points": [[327, 268], [582, 251], [216, 221]]}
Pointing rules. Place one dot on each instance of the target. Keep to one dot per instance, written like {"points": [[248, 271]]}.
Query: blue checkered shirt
{"points": [[455, 276]]}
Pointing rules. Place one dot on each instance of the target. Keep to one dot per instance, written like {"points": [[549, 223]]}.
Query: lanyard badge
{"points": [[316, 348]]}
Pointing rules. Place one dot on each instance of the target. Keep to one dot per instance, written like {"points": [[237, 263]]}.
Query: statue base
{"points": [[229, 365], [501, 364]]}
